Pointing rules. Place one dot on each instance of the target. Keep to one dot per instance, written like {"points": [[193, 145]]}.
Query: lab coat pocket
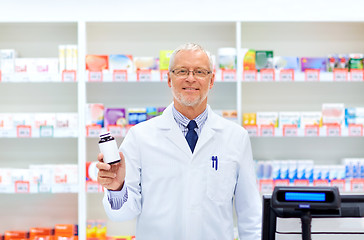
{"points": [[221, 182]]}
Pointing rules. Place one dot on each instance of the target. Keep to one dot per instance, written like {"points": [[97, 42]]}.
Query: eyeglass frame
{"points": [[193, 72]]}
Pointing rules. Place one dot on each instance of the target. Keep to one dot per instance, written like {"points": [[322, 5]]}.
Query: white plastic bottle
{"points": [[109, 148]]}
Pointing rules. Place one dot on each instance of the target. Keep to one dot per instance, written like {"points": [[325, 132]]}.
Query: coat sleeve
{"points": [[247, 198], [132, 207]]}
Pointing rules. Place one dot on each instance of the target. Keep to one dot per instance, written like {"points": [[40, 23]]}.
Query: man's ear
{"points": [[212, 80], [169, 80]]}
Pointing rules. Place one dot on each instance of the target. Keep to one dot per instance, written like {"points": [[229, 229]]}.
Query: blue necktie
{"points": [[191, 136]]}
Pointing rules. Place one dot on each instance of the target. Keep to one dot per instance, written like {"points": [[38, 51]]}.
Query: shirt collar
{"points": [[181, 119]]}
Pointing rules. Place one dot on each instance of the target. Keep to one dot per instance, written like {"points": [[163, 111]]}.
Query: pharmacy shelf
{"points": [[23, 211], [329, 150], [147, 76], [38, 97], [21, 152], [113, 228], [103, 30], [143, 94], [34, 78]]}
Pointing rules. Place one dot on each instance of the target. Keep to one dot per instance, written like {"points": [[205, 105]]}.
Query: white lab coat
{"points": [[177, 195]]}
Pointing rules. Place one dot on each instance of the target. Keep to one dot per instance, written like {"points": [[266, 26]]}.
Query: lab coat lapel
{"points": [[212, 125], [172, 132]]}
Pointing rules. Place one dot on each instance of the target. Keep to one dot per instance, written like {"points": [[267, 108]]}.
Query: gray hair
{"points": [[191, 47]]}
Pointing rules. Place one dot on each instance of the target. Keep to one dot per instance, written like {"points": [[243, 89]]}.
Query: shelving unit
{"points": [[143, 34]]}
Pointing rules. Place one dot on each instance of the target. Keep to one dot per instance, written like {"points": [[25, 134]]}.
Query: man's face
{"points": [[190, 91]]}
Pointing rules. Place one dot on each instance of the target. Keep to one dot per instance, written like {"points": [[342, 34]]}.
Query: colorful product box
{"points": [[65, 178], [37, 65], [62, 57], [311, 118], [115, 116], [160, 110], [263, 59], [305, 170], [164, 57], [65, 231], [6, 184], [333, 113], [356, 63], [136, 115], [231, 115], [289, 118], [286, 63], [313, 63], [151, 112], [15, 235], [121, 62], [42, 175], [36, 232], [7, 59], [44, 119], [249, 119], [146, 63], [95, 114], [248, 59], [227, 58], [71, 57], [91, 171], [66, 125], [267, 118], [336, 61], [354, 116], [97, 63]]}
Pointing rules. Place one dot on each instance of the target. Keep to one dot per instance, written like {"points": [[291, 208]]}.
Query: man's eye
{"points": [[182, 71], [199, 71]]}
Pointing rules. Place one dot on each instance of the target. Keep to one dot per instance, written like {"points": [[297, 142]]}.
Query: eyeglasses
{"points": [[184, 72]]}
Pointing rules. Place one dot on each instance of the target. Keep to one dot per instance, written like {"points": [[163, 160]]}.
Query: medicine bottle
{"points": [[109, 148]]}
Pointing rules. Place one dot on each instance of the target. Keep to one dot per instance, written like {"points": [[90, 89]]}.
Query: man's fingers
{"points": [[107, 174], [103, 166], [100, 157]]}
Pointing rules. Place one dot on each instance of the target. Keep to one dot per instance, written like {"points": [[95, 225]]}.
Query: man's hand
{"points": [[111, 176]]}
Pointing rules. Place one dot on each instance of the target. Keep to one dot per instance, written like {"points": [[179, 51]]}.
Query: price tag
{"points": [[46, 131], [301, 182], [290, 130], [267, 130], [95, 76], [357, 185], [228, 75], [333, 130], [68, 76], [312, 75], [355, 130], [312, 131], [286, 75], [22, 187], [92, 187], [320, 183], [164, 75], [266, 185], [267, 75], [340, 75], [252, 130], [281, 182], [23, 131], [115, 130], [250, 75], [144, 75], [120, 76], [93, 130], [356, 75], [340, 184]]}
